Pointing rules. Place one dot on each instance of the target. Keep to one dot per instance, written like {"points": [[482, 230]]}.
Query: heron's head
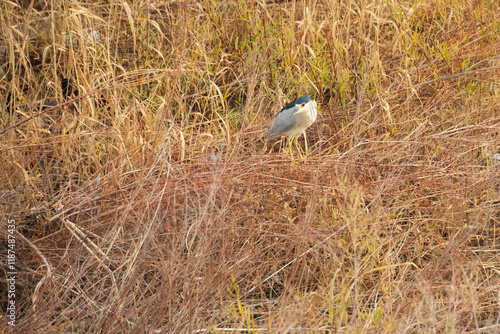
{"points": [[304, 104]]}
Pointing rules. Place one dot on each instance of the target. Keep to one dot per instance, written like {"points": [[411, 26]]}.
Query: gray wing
{"points": [[283, 122]]}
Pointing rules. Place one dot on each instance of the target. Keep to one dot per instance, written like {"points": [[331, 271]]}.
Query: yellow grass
{"points": [[155, 207]]}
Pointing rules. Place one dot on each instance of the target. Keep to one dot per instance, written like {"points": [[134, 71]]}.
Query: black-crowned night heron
{"points": [[292, 121]]}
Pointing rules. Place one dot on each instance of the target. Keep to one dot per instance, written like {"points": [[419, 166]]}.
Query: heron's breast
{"points": [[305, 119]]}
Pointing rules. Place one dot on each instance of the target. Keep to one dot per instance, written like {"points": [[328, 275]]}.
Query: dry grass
{"points": [[155, 208]]}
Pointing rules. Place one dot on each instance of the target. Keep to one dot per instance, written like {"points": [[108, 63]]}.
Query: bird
{"points": [[292, 121]]}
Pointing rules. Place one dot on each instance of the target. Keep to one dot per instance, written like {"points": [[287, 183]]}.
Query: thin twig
{"points": [[452, 76]]}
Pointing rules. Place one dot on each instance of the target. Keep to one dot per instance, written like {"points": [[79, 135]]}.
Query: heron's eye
{"points": [[303, 104]]}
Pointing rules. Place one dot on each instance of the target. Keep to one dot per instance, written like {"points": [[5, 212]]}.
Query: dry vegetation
{"points": [[154, 207]]}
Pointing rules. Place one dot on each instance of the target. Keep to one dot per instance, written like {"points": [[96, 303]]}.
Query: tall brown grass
{"points": [[154, 207]]}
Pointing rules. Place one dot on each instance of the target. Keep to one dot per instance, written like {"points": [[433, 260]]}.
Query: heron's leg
{"points": [[290, 148], [297, 147]]}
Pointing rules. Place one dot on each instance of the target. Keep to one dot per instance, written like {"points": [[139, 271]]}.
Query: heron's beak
{"points": [[298, 110]]}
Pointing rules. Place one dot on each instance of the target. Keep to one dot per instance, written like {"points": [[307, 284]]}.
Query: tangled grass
{"points": [[147, 202]]}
